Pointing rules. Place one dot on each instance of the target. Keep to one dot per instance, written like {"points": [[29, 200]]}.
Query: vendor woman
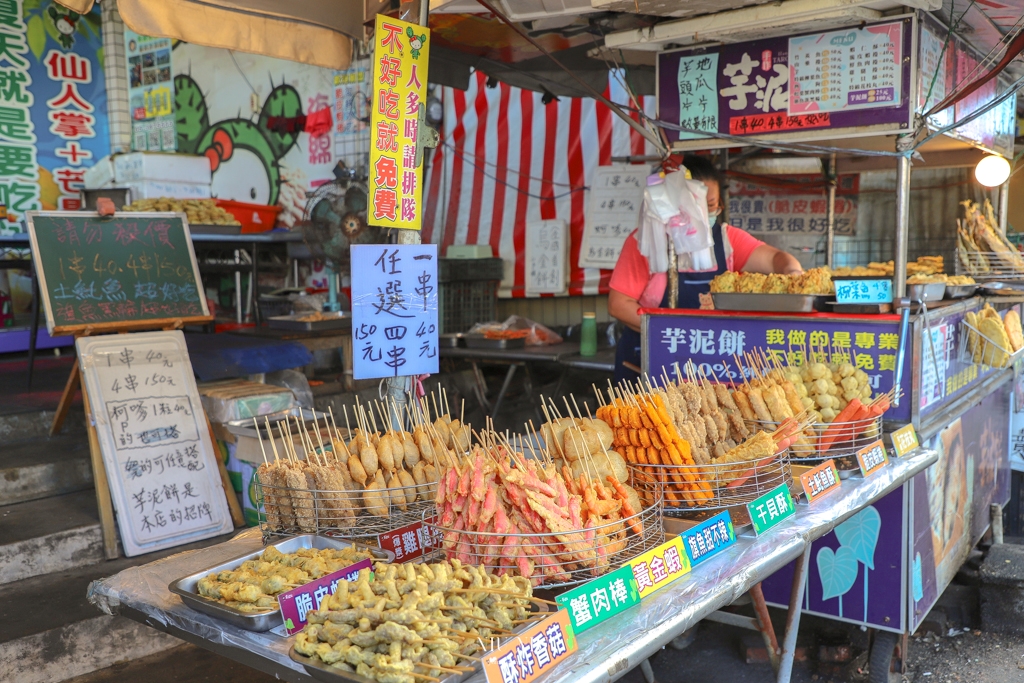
{"points": [[633, 286]]}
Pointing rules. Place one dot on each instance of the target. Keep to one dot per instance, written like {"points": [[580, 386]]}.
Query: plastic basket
{"points": [[253, 217]]}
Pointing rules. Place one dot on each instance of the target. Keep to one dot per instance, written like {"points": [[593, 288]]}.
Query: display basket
{"points": [[287, 511], [698, 488], [978, 348], [559, 560], [822, 441], [990, 265]]}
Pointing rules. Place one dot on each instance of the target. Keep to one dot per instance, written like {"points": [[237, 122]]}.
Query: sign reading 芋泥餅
{"points": [[394, 310], [771, 508], [660, 566], [710, 537], [400, 57], [531, 654], [597, 600], [297, 603]]}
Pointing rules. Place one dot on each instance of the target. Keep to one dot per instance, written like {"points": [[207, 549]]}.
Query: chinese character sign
{"points": [[400, 56], [707, 539], [150, 92], [698, 93], [771, 508], [613, 212], [53, 103], [659, 567], [597, 600], [394, 310], [760, 209], [409, 542], [296, 603], [531, 654], [818, 481]]}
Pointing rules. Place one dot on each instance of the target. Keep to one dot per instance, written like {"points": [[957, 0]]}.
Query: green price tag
{"points": [[771, 508], [597, 600]]}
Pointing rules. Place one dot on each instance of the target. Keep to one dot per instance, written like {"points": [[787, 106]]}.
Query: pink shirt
{"points": [[632, 275]]}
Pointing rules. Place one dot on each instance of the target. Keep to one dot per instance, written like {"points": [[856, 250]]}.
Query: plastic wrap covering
{"points": [[606, 652]]}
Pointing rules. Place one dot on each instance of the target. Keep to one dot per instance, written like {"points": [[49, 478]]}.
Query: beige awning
{"points": [[316, 32]]}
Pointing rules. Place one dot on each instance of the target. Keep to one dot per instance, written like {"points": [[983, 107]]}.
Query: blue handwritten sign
{"points": [[394, 310], [709, 538], [863, 291]]}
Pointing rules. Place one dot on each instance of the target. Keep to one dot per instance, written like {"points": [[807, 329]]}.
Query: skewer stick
{"points": [[316, 428], [273, 443], [444, 396], [348, 425], [334, 424], [423, 676], [260, 436]]}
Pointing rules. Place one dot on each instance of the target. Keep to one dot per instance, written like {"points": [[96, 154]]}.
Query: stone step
{"points": [[50, 632], [34, 423], [183, 663], [49, 535], [31, 469]]}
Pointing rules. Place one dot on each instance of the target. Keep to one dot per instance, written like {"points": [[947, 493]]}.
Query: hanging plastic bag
{"points": [[675, 208]]}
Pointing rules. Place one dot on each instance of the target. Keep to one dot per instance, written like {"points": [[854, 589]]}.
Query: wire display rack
{"points": [[722, 486], [822, 441], [990, 265], [554, 560], [979, 348], [292, 511]]}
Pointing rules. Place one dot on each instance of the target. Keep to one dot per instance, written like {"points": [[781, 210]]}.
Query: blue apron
{"points": [[690, 289]]}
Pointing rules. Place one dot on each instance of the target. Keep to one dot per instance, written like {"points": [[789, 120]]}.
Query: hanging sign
{"points": [[297, 603], [597, 600], [659, 567], [863, 291], [531, 654], [709, 538], [904, 440], [872, 458], [819, 481], [394, 310], [771, 508], [401, 52]]}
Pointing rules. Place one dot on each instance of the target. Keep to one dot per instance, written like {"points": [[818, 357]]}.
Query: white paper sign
{"points": [[546, 247], [153, 434], [613, 212], [394, 310]]}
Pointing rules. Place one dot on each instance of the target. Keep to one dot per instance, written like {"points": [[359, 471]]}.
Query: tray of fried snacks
{"points": [[772, 303], [414, 622], [988, 339], [243, 591], [311, 322]]}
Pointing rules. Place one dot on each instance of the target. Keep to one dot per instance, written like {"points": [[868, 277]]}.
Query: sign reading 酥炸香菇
{"points": [[394, 310], [400, 57]]}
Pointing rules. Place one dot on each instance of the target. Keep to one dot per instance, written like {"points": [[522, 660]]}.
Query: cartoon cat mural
{"points": [[244, 155]]}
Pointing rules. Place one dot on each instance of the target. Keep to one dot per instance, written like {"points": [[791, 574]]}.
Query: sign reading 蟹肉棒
{"points": [[394, 310], [400, 57], [597, 600]]}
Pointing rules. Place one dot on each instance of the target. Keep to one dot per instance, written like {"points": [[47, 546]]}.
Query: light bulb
{"points": [[992, 171]]}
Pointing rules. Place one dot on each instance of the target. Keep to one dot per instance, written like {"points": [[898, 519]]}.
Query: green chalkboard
{"points": [[127, 271]]}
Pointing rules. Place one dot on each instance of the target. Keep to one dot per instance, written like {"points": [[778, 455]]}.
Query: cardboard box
{"points": [[173, 168], [154, 189], [100, 174]]}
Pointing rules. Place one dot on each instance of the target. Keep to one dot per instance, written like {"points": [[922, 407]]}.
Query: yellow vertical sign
{"points": [[400, 55]]}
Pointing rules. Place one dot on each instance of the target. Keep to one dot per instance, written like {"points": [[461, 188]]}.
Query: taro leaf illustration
{"points": [[918, 580], [838, 571], [860, 534]]}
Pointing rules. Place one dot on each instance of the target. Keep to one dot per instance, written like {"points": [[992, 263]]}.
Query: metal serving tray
{"points": [[185, 587], [770, 303], [246, 428], [336, 321], [960, 291], [1003, 288], [479, 341], [931, 291]]}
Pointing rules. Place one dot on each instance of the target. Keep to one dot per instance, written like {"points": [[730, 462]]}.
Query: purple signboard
{"points": [[950, 505], [710, 339], [857, 572], [296, 603], [849, 78]]}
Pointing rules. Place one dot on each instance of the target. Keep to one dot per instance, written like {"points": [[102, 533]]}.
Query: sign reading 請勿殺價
{"points": [[394, 310], [400, 57]]}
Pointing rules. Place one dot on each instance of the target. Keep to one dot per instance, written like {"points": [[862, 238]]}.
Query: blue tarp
{"points": [[223, 356]]}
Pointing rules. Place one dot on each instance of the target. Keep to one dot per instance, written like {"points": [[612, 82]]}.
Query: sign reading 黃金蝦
{"points": [[394, 310]]}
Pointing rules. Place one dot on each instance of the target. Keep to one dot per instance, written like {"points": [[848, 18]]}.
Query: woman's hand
{"points": [[767, 259], [625, 309]]}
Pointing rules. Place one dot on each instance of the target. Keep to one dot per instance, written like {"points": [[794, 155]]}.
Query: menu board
{"points": [[155, 440], [546, 245], [846, 70], [613, 212], [789, 84], [128, 268]]}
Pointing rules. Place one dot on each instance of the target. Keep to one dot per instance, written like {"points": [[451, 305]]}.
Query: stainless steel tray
{"points": [[336, 321], [478, 341], [451, 340], [246, 428], [185, 587], [931, 291], [960, 291], [772, 303], [1003, 288]]}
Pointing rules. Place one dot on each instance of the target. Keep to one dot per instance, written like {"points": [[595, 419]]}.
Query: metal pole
{"points": [[1004, 205], [899, 281], [796, 597], [830, 239], [238, 288]]}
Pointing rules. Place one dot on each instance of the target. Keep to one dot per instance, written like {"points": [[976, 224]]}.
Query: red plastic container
{"points": [[253, 217]]}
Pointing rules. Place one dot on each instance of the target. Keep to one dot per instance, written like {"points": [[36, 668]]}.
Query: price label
{"points": [[408, 542], [597, 600], [531, 654], [659, 567], [297, 603], [709, 538], [863, 291], [872, 458], [904, 440], [771, 508], [821, 480]]}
